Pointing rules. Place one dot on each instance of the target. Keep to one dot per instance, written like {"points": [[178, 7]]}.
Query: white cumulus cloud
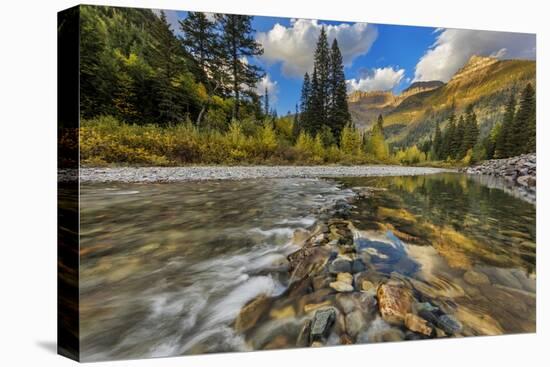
{"points": [[454, 47], [294, 46], [272, 88], [379, 79]]}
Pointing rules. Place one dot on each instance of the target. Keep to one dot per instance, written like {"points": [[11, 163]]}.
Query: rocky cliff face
{"points": [[366, 106], [473, 68]]}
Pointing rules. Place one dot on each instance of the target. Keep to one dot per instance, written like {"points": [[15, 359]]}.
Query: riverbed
{"points": [[166, 268]]}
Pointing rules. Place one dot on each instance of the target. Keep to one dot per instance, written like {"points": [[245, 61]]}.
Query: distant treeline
{"points": [[514, 135]]}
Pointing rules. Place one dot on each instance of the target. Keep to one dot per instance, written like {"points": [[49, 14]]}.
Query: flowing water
{"points": [[166, 268]]}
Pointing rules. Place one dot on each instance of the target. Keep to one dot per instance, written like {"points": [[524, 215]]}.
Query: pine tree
{"points": [[338, 113], [437, 141], [504, 143], [266, 102], [236, 44], [296, 122], [524, 128], [380, 123], [200, 40], [168, 61], [448, 138], [471, 132], [458, 137], [320, 82], [315, 106]]}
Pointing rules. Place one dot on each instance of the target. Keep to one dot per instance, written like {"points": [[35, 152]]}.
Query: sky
{"points": [[376, 56]]}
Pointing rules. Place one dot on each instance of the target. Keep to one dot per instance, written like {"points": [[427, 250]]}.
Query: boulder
{"points": [[358, 266], [394, 303], [417, 324], [340, 265], [355, 323], [251, 313], [322, 323], [449, 324]]}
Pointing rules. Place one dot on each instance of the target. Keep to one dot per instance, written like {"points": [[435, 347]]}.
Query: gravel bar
{"points": [[201, 173]]}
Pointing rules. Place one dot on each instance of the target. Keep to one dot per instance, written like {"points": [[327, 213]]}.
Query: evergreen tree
{"points": [[524, 127], [320, 83], [315, 106], [457, 141], [380, 124], [168, 60], [236, 44], [504, 143], [266, 102], [471, 132], [200, 40], [437, 142], [448, 138], [338, 113], [296, 122]]}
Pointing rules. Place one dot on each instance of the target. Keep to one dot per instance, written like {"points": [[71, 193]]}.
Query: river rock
{"points": [[476, 278], [358, 266], [417, 324], [321, 281], [344, 277], [303, 337], [340, 286], [394, 303], [251, 313], [449, 324], [322, 323], [340, 265], [346, 302], [300, 236], [367, 285], [355, 323]]}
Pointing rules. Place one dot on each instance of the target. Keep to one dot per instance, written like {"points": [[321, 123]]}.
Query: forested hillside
{"points": [[154, 95]]}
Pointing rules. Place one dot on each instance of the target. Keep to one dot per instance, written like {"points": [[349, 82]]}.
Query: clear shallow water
{"points": [[165, 268]]}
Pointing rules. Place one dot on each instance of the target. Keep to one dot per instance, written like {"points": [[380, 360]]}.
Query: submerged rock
{"points": [[476, 278], [251, 313], [417, 324], [303, 338], [394, 303], [322, 324], [340, 265], [358, 266], [340, 286], [449, 324], [344, 277], [355, 323]]}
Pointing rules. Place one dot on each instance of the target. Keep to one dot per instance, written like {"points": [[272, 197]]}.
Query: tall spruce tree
{"points": [[338, 113], [200, 40], [448, 138], [471, 131], [437, 142], [236, 44], [523, 132], [168, 61], [504, 143], [456, 142], [315, 105], [266, 102], [320, 82]]}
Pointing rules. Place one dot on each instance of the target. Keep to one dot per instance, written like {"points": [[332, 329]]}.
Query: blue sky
{"points": [[376, 56]]}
